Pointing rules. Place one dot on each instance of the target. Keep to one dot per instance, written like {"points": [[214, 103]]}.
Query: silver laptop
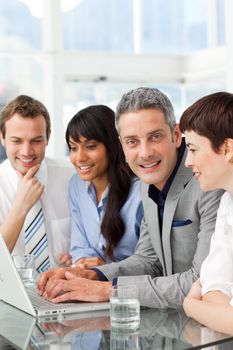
{"points": [[13, 292]]}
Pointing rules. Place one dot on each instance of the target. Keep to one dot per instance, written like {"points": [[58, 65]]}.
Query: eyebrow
{"points": [[190, 144], [86, 141], [70, 141], [148, 134], [20, 138]]}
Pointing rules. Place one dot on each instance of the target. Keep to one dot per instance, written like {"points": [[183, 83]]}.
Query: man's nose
{"points": [[26, 149], [145, 150]]}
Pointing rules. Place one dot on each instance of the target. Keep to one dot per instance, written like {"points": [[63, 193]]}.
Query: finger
{"points": [[53, 288], [43, 278], [81, 265], [66, 297], [68, 262], [80, 261], [59, 287], [32, 171], [56, 285], [70, 275], [63, 258], [88, 264]]}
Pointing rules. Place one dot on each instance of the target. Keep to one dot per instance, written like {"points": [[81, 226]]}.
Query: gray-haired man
{"points": [[179, 217]]}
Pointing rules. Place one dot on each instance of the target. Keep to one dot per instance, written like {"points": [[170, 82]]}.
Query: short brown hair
{"points": [[211, 117], [26, 107]]}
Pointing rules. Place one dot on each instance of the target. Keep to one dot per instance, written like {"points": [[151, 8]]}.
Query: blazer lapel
{"points": [[182, 177], [151, 215]]}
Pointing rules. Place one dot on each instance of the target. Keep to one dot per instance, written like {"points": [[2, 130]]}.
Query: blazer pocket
{"points": [[178, 223]]}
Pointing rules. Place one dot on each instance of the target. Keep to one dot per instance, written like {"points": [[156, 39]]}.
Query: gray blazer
{"points": [[165, 265]]}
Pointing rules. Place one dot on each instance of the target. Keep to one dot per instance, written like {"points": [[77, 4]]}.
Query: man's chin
{"points": [[148, 179], [23, 169]]}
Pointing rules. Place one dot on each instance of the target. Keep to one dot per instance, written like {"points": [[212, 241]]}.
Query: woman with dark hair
{"points": [[104, 195]]}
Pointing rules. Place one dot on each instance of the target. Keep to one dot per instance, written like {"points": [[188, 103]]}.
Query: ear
{"points": [[177, 136], [228, 149]]}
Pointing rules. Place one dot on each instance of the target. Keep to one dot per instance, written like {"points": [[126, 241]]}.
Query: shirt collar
{"points": [[153, 191], [42, 174], [91, 191]]}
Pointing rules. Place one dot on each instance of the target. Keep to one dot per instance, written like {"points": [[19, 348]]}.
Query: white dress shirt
{"points": [[54, 175], [217, 269]]}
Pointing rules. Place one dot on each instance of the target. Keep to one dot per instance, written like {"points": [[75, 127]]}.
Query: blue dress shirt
{"points": [[86, 218]]}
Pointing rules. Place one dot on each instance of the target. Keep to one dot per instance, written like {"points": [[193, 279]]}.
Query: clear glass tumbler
{"points": [[124, 307]]}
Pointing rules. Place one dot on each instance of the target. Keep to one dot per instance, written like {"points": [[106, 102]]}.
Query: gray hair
{"points": [[145, 98]]}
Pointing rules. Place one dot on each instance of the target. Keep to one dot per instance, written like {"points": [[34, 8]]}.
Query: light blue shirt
{"points": [[86, 218]]}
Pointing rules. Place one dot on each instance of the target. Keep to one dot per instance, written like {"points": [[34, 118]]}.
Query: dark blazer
{"points": [[166, 264]]}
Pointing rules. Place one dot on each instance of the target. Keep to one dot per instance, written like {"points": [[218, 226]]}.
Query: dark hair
{"points": [[26, 107], [97, 123], [211, 117]]}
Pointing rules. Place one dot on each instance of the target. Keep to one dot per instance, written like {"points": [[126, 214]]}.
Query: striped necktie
{"points": [[35, 237]]}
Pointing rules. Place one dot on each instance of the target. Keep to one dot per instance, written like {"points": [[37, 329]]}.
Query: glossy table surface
{"points": [[159, 329]]}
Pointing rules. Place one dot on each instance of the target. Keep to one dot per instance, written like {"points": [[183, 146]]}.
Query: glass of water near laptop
{"points": [[124, 307], [25, 266]]}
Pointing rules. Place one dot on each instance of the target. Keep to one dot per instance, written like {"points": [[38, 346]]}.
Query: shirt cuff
{"points": [[100, 274]]}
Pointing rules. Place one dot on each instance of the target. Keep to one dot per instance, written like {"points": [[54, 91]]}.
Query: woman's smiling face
{"points": [[208, 166], [90, 159]]}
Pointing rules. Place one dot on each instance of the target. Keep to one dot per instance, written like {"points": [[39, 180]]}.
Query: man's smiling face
{"points": [[25, 141], [149, 145]]}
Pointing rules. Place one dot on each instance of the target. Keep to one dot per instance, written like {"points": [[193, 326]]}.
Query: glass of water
{"points": [[124, 307], [25, 266]]}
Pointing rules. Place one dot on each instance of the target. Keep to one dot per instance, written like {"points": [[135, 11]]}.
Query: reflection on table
{"points": [[159, 330]]}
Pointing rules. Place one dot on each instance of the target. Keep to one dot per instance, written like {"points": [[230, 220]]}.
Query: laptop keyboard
{"points": [[38, 301]]}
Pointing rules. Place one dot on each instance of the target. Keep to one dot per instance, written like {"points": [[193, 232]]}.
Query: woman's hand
{"points": [[86, 263], [65, 259]]}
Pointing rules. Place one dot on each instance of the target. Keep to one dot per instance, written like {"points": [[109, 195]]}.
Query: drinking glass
{"points": [[124, 307], [25, 266]]}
